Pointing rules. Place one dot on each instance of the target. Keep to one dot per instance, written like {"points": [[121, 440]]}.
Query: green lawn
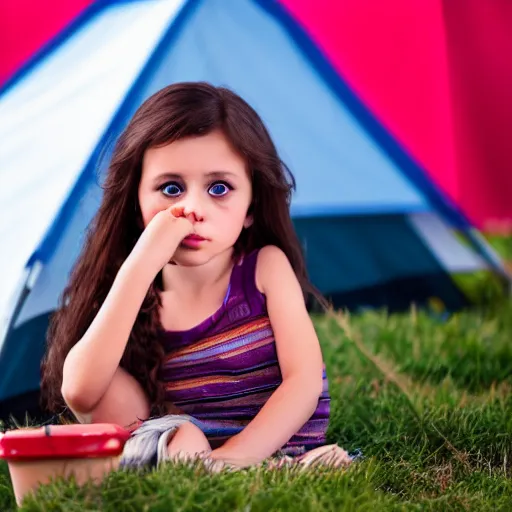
{"points": [[427, 401]]}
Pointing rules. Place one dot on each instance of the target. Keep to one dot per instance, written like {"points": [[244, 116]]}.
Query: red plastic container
{"points": [[37, 455], [63, 441]]}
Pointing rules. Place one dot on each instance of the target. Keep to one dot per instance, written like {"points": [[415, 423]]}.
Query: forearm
{"points": [[286, 411], [92, 362]]}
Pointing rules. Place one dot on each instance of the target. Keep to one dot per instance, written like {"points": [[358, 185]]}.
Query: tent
{"points": [[376, 230], [436, 73]]}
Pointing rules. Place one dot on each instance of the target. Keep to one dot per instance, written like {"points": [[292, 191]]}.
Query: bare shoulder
{"points": [[271, 267], [297, 344]]}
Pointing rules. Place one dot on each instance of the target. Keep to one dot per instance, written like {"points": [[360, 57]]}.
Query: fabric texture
{"points": [[219, 374], [148, 448], [223, 371]]}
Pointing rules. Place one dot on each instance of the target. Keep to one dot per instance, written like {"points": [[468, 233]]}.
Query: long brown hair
{"points": [[180, 110]]}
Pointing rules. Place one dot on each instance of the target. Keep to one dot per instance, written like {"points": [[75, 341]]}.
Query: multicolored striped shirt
{"points": [[222, 371]]}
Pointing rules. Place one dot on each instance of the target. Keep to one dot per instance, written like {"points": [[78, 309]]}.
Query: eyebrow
{"points": [[212, 175]]}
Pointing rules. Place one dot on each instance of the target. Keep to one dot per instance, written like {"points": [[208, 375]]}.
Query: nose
{"points": [[192, 207]]}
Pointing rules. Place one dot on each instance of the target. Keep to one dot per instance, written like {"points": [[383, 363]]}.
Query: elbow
{"points": [[76, 399], [74, 393]]}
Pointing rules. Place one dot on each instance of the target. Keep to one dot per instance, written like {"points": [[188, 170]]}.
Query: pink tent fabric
{"points": [[479, 47], [395, 60], [436, 73], [27, 25]]}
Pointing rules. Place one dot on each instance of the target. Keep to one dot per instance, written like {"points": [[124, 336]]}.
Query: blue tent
{"points": [[376, 231]]}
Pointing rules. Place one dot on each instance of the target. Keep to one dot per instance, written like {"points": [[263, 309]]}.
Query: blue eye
{"points": [[219, 189], [172, 189]]}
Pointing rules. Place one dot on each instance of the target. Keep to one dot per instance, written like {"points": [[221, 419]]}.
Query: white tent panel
{"points": [[450, 252], [53, 119]]}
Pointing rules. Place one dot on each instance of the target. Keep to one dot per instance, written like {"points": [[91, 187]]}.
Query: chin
{"points": [[191, 258], [197, 257]]}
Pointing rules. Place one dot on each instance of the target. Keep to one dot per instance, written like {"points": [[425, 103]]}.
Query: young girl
{"points": [[185, 316]]}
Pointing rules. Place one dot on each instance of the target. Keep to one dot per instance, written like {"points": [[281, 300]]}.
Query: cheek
{"points": [[235, 215], [233, 206], [149, 213]]}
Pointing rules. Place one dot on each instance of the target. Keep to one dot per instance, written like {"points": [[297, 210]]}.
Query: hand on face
{"points": [[179, 211], [162, 236], [203, 181]]}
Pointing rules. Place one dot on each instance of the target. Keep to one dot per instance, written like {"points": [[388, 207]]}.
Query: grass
{"points": [[502, 244], [427, 401]]}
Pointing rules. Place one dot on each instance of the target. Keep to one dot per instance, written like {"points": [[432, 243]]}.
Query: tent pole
{"points": [[27, 283]]}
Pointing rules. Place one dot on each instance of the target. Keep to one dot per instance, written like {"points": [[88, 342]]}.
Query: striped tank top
{"points": [[222, 371]]}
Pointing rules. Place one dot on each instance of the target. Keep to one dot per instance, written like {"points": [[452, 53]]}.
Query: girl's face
{"points": [[206, 177]]}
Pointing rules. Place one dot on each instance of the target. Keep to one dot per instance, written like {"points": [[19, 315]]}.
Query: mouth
{"points": [[195, 237], [193, 241]]}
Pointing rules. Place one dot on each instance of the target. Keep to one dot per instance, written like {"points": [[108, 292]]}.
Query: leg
{"points": [[124, 403], [188, 442]]}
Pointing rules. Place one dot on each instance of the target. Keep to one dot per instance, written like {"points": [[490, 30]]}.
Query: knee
{"points": [[191, 431], [188, 440]]}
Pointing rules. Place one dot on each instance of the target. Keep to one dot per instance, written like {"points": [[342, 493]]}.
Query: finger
{"points": [[178, 211]]}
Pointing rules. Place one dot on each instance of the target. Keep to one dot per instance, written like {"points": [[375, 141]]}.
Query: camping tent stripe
{"points": [[88, 14], [49, 127], [403, 160], [121, 117], [49, 47], [453, 256]]}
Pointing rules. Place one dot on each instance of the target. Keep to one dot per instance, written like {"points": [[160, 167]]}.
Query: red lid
{"points": [[63, 441]]}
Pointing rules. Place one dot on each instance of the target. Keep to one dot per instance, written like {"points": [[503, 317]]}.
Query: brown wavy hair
{"points": [[177, 111]]}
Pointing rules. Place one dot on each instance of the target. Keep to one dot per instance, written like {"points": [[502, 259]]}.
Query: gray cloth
{"points": [[147, 446]]}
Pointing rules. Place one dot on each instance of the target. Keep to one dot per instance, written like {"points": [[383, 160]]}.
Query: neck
{"points": [[197, 278]]}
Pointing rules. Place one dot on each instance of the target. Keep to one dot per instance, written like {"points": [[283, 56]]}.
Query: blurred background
{"points": [[395, 118]]}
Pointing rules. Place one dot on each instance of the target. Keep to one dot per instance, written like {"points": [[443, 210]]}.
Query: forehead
{"points": [[194, 156]]}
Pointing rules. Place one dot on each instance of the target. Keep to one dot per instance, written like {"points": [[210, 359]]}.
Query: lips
{"points": [[193, 242], [194, 237]]}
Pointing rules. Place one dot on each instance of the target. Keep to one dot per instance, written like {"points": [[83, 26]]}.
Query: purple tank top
{"points": [[222, 371]]}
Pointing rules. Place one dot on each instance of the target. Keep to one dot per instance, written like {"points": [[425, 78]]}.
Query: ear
{"points": [[248, 221]]}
